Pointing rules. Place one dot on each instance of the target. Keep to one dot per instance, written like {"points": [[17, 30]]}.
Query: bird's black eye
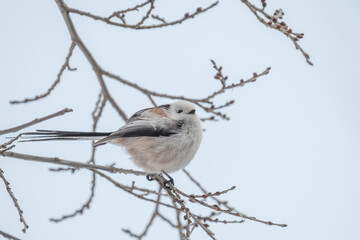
{"points": [[180, 111]]}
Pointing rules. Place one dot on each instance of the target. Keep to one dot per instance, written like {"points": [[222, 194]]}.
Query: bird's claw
{"points": [[167, 183], [150, 177]]}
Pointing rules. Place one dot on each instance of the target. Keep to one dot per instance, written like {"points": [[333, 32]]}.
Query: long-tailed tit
{"points": [[164, 138]]}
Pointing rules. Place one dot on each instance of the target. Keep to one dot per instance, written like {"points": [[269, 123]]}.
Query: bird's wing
{"points": [[150, 113], [151, 122]]}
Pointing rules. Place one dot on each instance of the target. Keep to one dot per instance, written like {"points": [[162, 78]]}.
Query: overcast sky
{"points": [[291, 146]]}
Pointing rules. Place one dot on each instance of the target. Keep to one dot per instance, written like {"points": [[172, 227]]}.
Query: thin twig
{"points": [[220, 221], [8, 236], [57, 81], [73, 164], [218, 193], [97, 69], [107, 20], [205, 103], [157, 17], [173, 194], [11, 141], [60, 169], [179, 224], [153, 216], [230, 211], [167, 220], [6, 149], [96, 114], [135, 8], [86, 205], [147, 14], [129, 190], [12, 196], [35, 121], [272, 22]]}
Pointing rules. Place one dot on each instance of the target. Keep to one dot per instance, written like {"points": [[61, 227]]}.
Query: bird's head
{"points": [[182, 110]]}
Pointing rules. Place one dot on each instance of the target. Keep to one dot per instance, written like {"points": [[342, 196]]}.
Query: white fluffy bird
{"points": [[164, 138]]}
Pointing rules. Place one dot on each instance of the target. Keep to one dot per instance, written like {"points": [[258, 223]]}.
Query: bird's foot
{"points": [[151, 177], [167, 183]]}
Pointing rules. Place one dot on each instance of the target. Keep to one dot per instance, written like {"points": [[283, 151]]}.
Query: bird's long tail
{"points": [[47, 135]]}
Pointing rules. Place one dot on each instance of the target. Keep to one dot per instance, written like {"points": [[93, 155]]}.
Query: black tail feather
{"points": [[46, 135]]}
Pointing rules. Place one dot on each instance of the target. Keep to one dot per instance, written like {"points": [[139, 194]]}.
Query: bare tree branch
{"points": [[229, 210], [174, 193], [205, 103], [35, 121], [75, 38], [153, 216], [6, 146], [108, 20], [96, 114], [10, 142], [57, 81], [73, 164], [273, 21], [135, 8], [147, 14], [86, 205], [11, 194], [8, 236], [130, 190]]}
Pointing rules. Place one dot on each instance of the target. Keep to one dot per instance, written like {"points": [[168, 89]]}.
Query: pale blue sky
{"points": [[291, 146]]}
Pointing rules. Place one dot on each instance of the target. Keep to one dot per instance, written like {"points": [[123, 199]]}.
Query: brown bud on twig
{"points": [[263, 2]]}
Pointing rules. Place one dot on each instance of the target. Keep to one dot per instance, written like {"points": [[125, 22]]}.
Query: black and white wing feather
{"points": [[145, 123]]}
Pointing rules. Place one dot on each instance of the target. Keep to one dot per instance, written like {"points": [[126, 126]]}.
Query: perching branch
{"points": [[175, 194], [73, 164]]}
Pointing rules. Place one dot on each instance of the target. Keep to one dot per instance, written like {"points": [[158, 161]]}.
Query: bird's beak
{"points": [[192, 112]]}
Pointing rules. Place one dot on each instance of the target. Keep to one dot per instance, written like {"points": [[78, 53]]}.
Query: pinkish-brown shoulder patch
{"points": [[120, 141], [158, 111]]}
